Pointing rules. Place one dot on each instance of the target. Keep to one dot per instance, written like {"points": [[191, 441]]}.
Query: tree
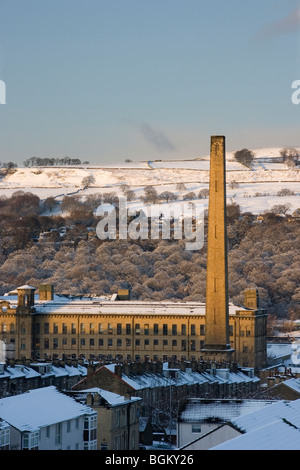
{"points": [[233, 212], [167, 196], [290, 156], [49, 203], [151, 195], [203, 193], [245, 157], [189, 196], [285, 192], [180, 187], [281, 208], [88, 181]]}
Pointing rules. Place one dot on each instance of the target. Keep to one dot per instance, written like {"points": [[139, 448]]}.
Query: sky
{"points": [[109, 80]]}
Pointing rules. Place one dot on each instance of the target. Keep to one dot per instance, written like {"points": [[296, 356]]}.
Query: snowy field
{"points": [[255, 190]]}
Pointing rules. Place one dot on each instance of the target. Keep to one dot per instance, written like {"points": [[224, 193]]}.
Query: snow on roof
{"points": [[274, 427], [276, 410], [294, 384], [26, 287], [278, 435], [112, 398], [131, 307], [153, 380], [41, 407], [198, 410]]}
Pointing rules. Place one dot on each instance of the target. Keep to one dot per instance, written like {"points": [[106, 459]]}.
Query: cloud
{"points": [[156, 137], [286, 25]]}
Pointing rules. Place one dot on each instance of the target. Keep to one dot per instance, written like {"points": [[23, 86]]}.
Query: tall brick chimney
{"points": [[217, 315]]}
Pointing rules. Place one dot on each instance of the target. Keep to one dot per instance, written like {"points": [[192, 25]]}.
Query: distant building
{"points": [[46, 419], [68, 327]]}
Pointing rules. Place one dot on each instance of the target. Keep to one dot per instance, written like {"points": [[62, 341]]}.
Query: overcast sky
{"points": [[106, 80]]}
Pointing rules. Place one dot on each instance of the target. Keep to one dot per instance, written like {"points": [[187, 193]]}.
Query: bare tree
{"points": [[245, 157]]}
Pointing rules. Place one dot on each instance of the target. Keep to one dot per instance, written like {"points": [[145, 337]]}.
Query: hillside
{"points": [[255, 189]]}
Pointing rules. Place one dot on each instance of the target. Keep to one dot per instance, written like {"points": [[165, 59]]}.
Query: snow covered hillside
{"points": [[255, 189]]}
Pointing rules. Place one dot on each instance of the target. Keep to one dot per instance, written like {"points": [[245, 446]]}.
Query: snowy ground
{"points": [[256, 189]]}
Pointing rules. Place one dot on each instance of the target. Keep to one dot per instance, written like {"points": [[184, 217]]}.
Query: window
{"points": [[202, 329], [110, 329], [73, 341], [117, 418], [193, 345], [128, 342], [137, 329], [146, 329], [155, 329], [101, 343], [241, 332], [92, 328], [165, 342], [174, 343], [4, 439], [146, 342], [101, 328], [48, 432], [119, 342], [183, 345], [69, 425], [82, 342], [110, 342], [155, 342], [193, 330], [12, 328], [55, 343], [92, 342], [73, 329], [128, 329], [174, 330], [46, 343], [248, 333], [82, 328], [37, 328], [119, 329], [55, 328], [90, 433], [58, 433], [64, 329], [137, 342], [31, 440], [165, 329], [64, 341], [183, 330], [196, 428]]}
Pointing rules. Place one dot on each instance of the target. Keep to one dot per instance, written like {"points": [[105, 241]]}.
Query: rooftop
{"points": [[274, 427], [70, 304], [41, 407], [222, 410]]}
